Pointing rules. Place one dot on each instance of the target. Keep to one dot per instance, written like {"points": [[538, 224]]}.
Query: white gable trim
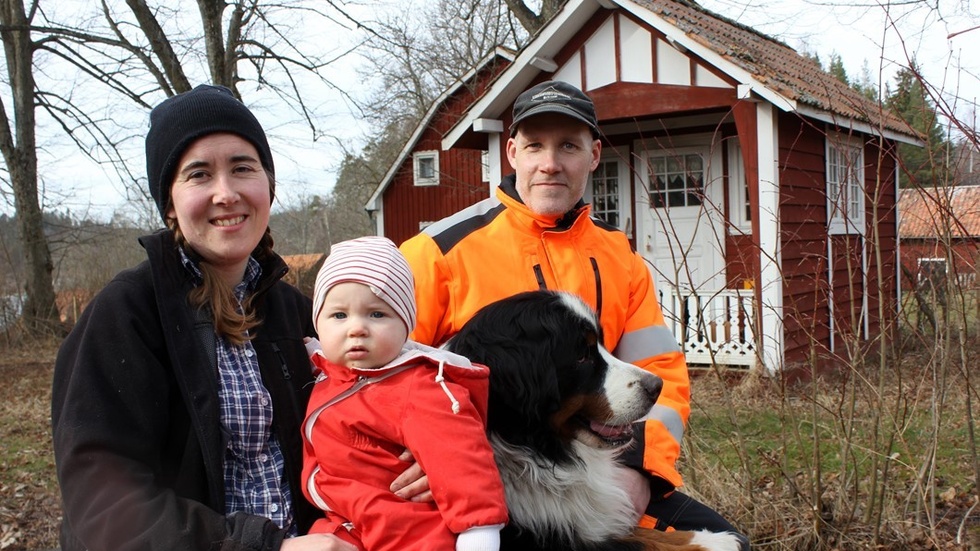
{"points": [[678, 38], [559, 31], [516, 78], [375, 203]]}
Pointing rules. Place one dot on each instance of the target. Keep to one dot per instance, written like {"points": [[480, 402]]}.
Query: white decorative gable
{"points": [[636, 53]]}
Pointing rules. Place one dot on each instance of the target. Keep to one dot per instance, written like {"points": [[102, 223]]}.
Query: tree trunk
{"points": [[211, 11], [40, 313], [531, 21], [173, 80]]}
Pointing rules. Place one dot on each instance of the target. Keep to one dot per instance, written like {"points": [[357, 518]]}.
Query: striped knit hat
{"points": [[375, 262]]}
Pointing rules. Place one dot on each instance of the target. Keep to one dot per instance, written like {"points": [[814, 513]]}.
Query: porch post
{"points": [[495, 161], [747, 128], [771, 288], [757, 130]]}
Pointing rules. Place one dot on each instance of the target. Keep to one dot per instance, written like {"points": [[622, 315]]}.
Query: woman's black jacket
{"points": [[137, 437]]}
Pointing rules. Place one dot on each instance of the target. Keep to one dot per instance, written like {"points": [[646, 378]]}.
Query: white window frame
{"points": [[702, 151], [738, 187], [929, 260], [485, 166], [850, 218], [417, 159], [622, 175]]}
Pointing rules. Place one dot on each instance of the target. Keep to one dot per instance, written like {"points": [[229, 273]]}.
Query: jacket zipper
{"points": [[282, 362], [538, 275], [598, 287]]}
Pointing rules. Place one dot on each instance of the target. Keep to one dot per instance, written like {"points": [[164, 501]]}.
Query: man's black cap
{"points": [[554, 96]]}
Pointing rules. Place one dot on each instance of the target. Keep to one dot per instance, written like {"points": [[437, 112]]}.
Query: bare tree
{"points": [[136, 51], [413, 58], [530, 20], [17, 144]]}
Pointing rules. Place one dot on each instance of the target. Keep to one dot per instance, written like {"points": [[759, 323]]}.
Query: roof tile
{"points": [[773, 63], [942, 211]]}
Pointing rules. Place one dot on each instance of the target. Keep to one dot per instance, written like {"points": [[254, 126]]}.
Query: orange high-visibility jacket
{"points": [[497, 248]]}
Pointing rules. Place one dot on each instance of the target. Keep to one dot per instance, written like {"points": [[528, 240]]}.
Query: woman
{"points": [[178, 396]]}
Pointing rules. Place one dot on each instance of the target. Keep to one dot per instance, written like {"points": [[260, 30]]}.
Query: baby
{"points": [[378, 393]]}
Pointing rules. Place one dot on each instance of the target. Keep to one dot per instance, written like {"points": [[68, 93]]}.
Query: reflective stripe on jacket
{"points": [[497, 248]]}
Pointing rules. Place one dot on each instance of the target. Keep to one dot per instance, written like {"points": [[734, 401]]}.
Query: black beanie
{"points": [[181, 119]]}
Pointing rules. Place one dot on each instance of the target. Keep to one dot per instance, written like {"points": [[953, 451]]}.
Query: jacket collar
{"points": [[164, 256], [507, 194]]}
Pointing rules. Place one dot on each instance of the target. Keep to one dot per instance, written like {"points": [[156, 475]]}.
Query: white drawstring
{"points": [[442, 382]]}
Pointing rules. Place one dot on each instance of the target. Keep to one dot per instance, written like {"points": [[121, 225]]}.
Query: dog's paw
{"points": [[717, 541]]}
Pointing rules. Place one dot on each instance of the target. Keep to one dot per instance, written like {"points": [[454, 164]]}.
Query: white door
{"points": [[681, 218]]}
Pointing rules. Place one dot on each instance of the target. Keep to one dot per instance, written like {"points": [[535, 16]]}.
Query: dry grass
{"points": [[30, 511], [839, 463], [763, 451]]}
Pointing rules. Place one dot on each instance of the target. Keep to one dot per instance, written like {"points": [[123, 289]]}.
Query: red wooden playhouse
{"points": [[761, 190]]}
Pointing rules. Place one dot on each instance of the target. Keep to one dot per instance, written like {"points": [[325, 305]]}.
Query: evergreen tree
{"points": [[922, 166], [865, 83], [837, 68]]}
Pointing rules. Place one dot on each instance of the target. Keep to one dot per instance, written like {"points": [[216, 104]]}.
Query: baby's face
{"points": [[357, 329]]}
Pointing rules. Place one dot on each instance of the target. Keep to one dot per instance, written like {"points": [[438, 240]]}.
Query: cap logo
{"points": [[550, 94]]}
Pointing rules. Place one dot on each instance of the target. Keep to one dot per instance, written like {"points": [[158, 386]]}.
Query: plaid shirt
{"points": [[253, 463]]}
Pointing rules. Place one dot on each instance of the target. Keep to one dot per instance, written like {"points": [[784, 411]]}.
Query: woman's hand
{"points": [[412, 484], [316, 542]]}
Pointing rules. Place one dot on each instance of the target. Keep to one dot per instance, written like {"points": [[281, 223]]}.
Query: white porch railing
{"points": [[713, 326]]}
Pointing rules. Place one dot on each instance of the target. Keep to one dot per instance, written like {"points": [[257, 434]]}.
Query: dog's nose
{"points": [[652, 385]]}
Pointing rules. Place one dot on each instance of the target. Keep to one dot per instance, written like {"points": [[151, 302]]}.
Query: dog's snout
{"points": [[652, 385]]}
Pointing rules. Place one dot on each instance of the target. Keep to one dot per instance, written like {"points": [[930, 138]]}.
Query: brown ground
{"points": [[30, 511]]}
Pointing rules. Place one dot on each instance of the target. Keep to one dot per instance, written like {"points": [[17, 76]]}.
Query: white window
{"points": [[606, 192], [932, 272], [426, 165], [739, 207], [845, 192], [676, 179], [485, 166]]}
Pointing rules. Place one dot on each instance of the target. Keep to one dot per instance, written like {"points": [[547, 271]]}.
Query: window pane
{"points": [[695, 163], [605, 192], [681, 175], [658, 165], [427, 168], [845, 194], [656, 183]]}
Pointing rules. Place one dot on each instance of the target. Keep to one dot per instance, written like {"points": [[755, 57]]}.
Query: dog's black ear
{"points": [[516, 338]]}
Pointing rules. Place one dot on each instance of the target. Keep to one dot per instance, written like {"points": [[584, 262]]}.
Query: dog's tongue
{"points": [[611, 431]]}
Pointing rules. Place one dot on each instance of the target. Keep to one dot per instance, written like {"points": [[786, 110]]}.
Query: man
{"points": [[540, 236]]}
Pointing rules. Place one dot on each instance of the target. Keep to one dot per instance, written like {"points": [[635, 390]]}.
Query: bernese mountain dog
{"points": [[561, 409]]}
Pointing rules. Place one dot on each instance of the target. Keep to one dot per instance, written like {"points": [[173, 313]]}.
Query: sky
{"points": [[877, 35], [868, 35]]}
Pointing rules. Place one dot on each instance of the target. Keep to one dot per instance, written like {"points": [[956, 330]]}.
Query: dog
{"points": [[561, 409]]}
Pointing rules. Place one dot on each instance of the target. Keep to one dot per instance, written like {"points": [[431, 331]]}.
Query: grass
{"points": [[893, 467], [838, 463], [29, 503]]}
